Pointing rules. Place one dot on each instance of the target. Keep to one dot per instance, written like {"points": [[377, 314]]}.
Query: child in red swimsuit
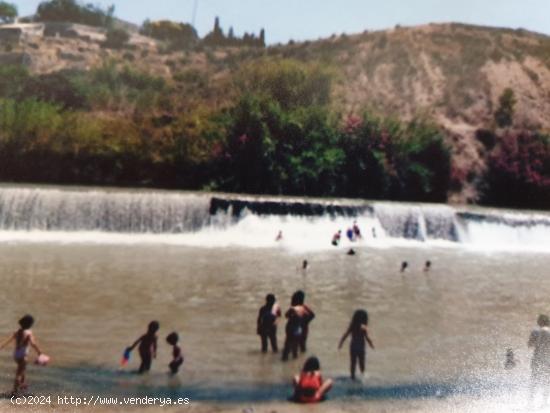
{"points": [[309, 386]]}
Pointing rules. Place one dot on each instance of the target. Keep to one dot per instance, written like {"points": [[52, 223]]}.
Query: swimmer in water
{"points": [[356, 230], [23, 339], [351, 251], [349, 234], [427, 266], [404, 266], [304, 265]]}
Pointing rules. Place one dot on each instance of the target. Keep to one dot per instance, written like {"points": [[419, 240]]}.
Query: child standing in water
{"points": [[359, 334], [266, 325], [23, 339], [147, 346], [309, 386], [177, 356]]}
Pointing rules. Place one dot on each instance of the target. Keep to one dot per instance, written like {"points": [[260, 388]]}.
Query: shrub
{"points": [[504, 115], [116, 38], [519, 171]]}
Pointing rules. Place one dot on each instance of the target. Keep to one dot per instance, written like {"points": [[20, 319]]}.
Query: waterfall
{"points": [[98, 210], [205, 219]]}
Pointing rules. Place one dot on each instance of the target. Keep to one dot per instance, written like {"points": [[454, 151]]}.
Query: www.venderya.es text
{"points": [[99, 401]]}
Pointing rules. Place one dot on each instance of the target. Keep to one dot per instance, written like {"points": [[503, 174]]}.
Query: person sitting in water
{"points": [[177, 355], [427, 266], [267, 323], [309, 386], [404, 266], [336, 238], [23, 339], [359, 335], [147, 347]]}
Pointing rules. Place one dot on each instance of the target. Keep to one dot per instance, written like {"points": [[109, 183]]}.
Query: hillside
{"points": [[451, 73]]}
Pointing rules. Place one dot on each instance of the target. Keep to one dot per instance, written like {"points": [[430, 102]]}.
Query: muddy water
{"points": [[434, 332]]}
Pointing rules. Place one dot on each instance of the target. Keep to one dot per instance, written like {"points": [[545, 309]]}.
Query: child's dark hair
{"points": [[26, 321], [153, 327], [298, 298], [311, 364], [360, 317], [270, 299], [172, 338]]}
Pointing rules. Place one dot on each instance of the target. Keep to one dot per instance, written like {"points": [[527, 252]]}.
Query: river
{"points": [[94, 266]]}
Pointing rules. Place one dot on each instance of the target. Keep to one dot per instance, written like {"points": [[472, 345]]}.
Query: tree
{"points": [[178, 35], [504, 116], [73, 12], [8, 12]]}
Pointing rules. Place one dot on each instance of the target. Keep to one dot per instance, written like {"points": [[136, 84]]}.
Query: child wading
{"points": [[23, 339], [267, 323], [177, 355], [359, 335], [147, 346]]}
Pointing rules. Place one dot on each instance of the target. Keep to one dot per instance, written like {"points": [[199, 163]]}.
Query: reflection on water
{"points": [[437, 333]]}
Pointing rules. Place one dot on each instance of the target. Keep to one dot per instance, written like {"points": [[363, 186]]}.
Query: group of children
{"points": [[309, 385], [148, 349]]}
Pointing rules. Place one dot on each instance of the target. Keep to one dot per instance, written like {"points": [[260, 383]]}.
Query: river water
{"points": [[93, 287]]}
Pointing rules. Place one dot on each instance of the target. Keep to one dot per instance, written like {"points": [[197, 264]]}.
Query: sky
{"points": [[284, 20]]}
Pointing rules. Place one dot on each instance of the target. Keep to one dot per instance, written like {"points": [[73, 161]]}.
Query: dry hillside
{"points": [[453, 73]]}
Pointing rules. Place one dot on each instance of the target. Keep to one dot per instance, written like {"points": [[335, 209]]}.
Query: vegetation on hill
{"points": [[407, 114], [8, 12], [64, 127], [74, 12]]}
